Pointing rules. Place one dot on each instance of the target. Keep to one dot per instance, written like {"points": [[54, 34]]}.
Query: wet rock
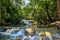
{"points": [[45, 36]]}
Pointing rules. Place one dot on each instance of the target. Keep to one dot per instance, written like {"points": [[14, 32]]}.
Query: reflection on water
{"points": [[28, 34]]}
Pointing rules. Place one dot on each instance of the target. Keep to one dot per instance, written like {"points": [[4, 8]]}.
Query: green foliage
{"points": [[9, 13], [12, 13]]}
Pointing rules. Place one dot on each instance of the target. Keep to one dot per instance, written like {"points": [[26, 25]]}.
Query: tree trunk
{"points": [[40, 21], [58, 8], [48, 14]]}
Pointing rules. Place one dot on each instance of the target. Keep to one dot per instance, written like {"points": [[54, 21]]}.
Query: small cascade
{"points": [[56, 35], [27, 22]]}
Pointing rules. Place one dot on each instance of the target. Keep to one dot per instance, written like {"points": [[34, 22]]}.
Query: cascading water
{"points": [[44, 35], [56, 34], [27, 22]]}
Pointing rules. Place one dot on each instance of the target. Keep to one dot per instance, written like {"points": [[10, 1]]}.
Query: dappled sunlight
{"points": [[45, 35], [48, 34], [29, 30]]}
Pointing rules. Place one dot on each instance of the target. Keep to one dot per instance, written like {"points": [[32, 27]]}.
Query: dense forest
{"points": [[45, 12]]}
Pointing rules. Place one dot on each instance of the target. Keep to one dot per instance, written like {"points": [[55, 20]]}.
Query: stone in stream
{"points": [[30, 31], [45, 36]]}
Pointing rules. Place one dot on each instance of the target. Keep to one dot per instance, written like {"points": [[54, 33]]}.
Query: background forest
{"points": [[45, 12]]}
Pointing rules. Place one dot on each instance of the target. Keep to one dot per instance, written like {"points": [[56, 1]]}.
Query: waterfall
{"points": [[27, 22]]}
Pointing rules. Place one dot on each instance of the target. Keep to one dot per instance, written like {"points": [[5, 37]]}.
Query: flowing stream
{"points": [[28, 33], [21, 34]]}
